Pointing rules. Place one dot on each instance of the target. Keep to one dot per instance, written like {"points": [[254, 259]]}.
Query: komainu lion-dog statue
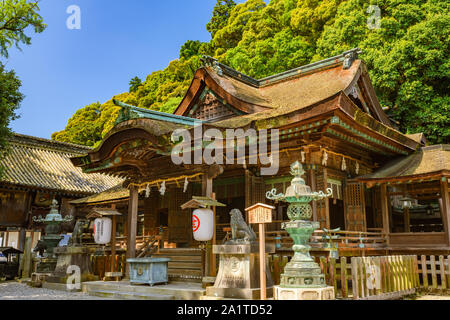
{"points": [[240, 231]]}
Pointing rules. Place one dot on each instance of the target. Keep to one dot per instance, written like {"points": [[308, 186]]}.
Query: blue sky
{"points": [[64, 70]]}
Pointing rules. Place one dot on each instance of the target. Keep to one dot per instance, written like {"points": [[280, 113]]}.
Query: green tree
{"points": [[135, 83], [84, 127], [241, 15], [407, 58], [16, 16], [10, 99], [221, 14]]}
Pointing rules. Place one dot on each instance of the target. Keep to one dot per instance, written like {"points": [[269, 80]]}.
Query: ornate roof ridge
{"points": [[346, 59], [31, 141]]}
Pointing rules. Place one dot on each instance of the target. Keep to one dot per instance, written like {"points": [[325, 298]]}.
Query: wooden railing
{"points": [[347, 239]]}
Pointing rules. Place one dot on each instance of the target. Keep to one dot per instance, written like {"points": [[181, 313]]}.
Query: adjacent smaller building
{"points": [[36, 171]]}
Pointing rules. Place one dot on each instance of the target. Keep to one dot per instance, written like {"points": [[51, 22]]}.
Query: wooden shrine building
{"points": [[328, 117], [36, 171]]}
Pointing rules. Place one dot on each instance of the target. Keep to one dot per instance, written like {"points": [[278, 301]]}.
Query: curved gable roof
{"points": [[285, 92]]}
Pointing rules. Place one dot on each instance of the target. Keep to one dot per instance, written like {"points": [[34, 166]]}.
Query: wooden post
{"points": [[262, 261], [385, 211], [326, 200], [344, 284], [433, 272], [312, 183], [355, 282], [132, 222], [6, 239], [21, 240], [113, 242], [406, 220], [442, 273], [27, 258], [207, 190], [423, 261], [261, 214], [445, 208], [213, 256]]}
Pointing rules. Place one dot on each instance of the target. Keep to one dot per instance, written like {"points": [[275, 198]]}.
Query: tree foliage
{"points": [[10, 99], [220, 16], [16, 16], [407, 56], [135, 83]]}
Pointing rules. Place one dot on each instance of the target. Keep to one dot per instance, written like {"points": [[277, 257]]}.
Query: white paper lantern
{"points": [[203, 224], [102, 230]]}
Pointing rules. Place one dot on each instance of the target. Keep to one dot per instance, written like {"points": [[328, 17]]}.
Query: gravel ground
{"points": [[20, 291]]}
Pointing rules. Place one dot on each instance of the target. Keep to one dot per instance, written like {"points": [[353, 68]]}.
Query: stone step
{"points": [[180, 291], [119, 295]]}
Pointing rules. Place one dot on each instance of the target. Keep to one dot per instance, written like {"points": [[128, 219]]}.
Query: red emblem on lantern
{"points": [[195, 223]]}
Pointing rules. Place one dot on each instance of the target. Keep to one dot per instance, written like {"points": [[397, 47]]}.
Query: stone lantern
{"points": [[302, 278], [49, 242]]}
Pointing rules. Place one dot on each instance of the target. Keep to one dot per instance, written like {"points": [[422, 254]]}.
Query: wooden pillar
{"points": [[312, 182], [247, 192], [33, 234], [213, 256], [113, 241], [262, 261], [132, 222], [22, 238], [445, 199], [210, 259], [326, 200], [207, 186], [406, 220], [385, 211], [406, 215], [27, 258], [6, 239]]}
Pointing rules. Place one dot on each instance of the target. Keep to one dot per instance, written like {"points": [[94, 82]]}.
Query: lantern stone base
{"points": [[72, 256], [326, 293], [238, 276], [45, 265]]}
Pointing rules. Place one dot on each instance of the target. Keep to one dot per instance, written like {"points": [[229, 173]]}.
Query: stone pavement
{"points": [[12, 290], [433, 297]]}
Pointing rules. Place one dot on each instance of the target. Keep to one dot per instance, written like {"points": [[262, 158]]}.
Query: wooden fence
{"points": [[102, 263], [363, 278], [433, 272], [382, 278]]}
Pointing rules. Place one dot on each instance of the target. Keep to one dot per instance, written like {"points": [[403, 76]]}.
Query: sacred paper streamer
{"points": [[325, 158], [357, 168], [303, 153], [186, 182], [147, 191], [162, 190], [344, 165]]}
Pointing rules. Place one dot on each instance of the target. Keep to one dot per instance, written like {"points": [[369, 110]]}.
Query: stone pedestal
{"points": [[238, 276], [37, 279], [72, 256], [45, 265], [325, 293], [302, 271]]}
